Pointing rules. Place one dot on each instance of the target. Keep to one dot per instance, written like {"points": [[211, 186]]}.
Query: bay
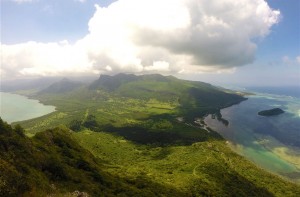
{"points": [[273, 143], [15, 108]]}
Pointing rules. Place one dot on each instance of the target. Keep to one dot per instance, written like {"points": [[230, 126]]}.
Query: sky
{"points": [[231, 42]]}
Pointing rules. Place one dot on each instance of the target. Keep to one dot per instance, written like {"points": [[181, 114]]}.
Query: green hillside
{"points": [[207, 168], [53, 163], [194, 98]]}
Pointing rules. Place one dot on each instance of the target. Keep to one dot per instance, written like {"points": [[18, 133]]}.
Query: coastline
{"points": [[285, 152], [289, 155], [33, 104]]}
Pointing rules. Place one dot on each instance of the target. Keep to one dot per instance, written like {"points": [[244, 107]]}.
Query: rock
{"points": [[79, 194]]}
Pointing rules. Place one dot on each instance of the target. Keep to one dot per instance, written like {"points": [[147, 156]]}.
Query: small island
{"points": [[271, 112]]}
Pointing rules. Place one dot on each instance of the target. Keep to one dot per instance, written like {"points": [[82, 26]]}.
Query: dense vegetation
{"points": [[54, 163], [271, 112], [194, 98], [141, 136]]}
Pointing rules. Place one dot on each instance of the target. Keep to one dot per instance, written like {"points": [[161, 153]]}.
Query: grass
{"points": [[209, 164], [113, 110], [52, 163]]}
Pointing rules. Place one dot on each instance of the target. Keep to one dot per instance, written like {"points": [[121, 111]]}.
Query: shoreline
{"points": [[285, 152], [289, 155], [26, 97], [235, 147]]}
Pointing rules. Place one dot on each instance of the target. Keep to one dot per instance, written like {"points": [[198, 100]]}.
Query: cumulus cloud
{"points": [[172, 36], [46, 59]]}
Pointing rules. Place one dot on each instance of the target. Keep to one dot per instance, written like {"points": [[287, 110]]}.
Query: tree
{"points": [[75, 125], [91, 122]]}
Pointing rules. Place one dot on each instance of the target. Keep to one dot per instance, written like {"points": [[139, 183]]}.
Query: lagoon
{"points": [[273, 143], [15, 108]]}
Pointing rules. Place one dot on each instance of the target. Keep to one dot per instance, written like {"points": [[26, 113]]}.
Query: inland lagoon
{"points": [[15, 108]]}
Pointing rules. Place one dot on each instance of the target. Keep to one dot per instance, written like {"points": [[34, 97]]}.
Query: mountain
{"points": [[195, 98], [111, 83], [62, 86]]}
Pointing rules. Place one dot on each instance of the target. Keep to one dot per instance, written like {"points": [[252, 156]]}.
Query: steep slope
{"points": [[207, 168], [52, 163]]}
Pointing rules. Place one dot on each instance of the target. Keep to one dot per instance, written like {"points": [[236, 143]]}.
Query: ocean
{"points": [[293, 91], [15, 108], [272, 143]]}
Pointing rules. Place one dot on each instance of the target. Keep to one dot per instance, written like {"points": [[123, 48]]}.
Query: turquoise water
{"points": [[258, 138], [16, 108]]}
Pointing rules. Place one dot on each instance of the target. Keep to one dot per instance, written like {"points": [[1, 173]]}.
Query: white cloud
{"points": [[152, 36], [158, 66], [34, 58]]}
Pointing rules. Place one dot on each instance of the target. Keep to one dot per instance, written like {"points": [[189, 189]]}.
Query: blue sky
{"points": [[215, 53], [46, 21]]}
